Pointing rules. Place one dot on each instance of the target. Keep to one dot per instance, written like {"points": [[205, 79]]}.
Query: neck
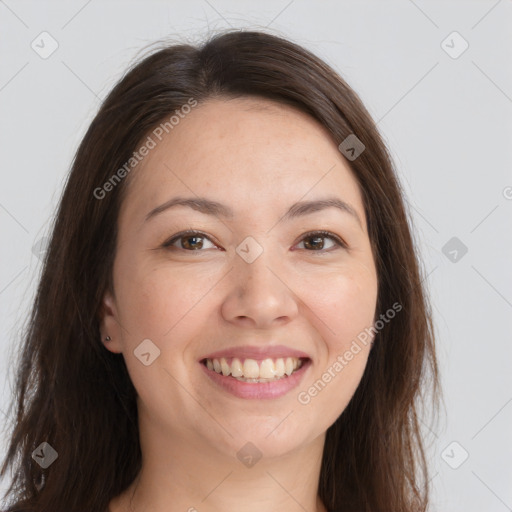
{"points": [[183, 473]]}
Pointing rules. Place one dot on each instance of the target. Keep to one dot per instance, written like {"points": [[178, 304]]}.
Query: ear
{"points": [[109, 324]]}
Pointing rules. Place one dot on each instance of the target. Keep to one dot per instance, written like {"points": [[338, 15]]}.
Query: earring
{"points": [[108, 338]]}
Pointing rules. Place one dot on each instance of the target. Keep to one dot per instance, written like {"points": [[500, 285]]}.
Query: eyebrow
{"points": [[299, 209]]}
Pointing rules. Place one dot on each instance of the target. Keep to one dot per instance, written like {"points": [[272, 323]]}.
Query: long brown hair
{"points": [[77, 396]]}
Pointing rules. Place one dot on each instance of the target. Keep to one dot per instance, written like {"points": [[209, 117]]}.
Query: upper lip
{"points": [[257, 352]]}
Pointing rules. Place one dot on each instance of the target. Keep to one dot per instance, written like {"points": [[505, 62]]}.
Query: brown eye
{"points": [[192, 242], [315, 242], [188, 241]]}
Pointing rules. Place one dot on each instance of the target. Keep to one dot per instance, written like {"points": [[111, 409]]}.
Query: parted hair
{"points": [[77, 396]]}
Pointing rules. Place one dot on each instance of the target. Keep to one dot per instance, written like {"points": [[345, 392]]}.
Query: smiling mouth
{"points": [[255, 371]]}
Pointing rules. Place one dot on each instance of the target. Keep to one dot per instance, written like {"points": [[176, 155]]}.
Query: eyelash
{"points": [[311, 234]]}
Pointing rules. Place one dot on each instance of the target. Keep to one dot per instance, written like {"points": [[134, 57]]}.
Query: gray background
{"points": [[447, 121]]}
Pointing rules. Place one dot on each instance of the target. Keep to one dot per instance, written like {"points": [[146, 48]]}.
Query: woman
{"points": [[231, 313]]}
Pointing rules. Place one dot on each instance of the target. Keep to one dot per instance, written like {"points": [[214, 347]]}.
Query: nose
{"points": [[259, 295]]}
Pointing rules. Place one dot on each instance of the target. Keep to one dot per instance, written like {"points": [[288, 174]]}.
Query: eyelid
{"points": [[324, 234], [188, 232], [193, 232]]}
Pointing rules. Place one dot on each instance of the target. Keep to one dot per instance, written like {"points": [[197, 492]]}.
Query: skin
{"points": [[257, 157]]}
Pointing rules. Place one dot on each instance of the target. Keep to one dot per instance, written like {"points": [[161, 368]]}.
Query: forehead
{"points": [[244, 152]]}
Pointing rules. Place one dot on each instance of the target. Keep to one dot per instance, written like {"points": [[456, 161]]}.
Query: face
{"points": [[254, 281]]}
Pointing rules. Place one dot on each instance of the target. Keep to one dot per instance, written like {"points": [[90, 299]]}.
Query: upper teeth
{"points": [[252, 369]]}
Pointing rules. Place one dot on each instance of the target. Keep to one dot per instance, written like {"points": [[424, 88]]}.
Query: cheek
{"points": [[164, 307], [155, 301], [345, 307], [343, 303]]}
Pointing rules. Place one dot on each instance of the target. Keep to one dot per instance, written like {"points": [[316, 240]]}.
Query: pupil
{"points": [[192, 245], [318, 244]]}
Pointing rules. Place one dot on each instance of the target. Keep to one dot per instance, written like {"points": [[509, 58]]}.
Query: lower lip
{"points": [[258, 390]]}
